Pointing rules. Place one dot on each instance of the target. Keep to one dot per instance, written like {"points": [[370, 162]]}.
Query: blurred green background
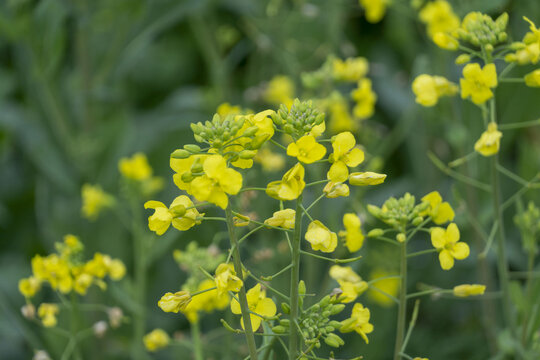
{"points": [[84, 83]]}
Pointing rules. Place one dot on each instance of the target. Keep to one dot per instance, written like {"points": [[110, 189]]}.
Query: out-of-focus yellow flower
{"points": [[290, 186], [269, 160], [366, 178], [156, 339], [351, 284], [82, 282], [441, 21], [389, 286], [306, 149], [181, 214], [135, 167], [428, 89], [258, 303], [218, 181], [94, 200], [365, 99], [334, 190], [280, 90], [466, 290], [320, 238], [174, 302], [350, 70], [532, 79], [354, 239], [47, 313], [359, 322], [54, 270], [448, 244], [207, 301], [477, 82], [225, 109], [345, 155], [29, 286], [489, 141], [440, 212], [529, 50], [117, 269], [337, 108], [282, 218], [226, 279], [182, 168], [375, 9]]}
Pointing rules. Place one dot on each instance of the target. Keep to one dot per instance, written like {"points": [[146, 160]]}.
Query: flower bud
{"points": [[180, 154], [192, 148], [375, 233], [285, 307], [247, 154], [401, 237], [366, 178], [279, 329], [463, 59], [302, 287], [417, 220], [100, 328]]}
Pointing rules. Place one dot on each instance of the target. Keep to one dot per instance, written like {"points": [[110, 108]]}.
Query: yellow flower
{"points": [[97, 266], [354, 239], [365, 99], [489, 141], [359, 322], [440, 212], [366, 178], [282, 218], [47, 313], [280, 90], [428, 89], [136, 167], [218, 181], [375, 9], [350, 70], [441, 21], [466, 290], [269, 160], [94, 200], [334, 190], [448, 245], [345, 155], [389, 286], [156, 340], [82, 282], [116, 269], [529, 53], [174, 302], [258, 303], [207, 301], [225, 109], [29, 286], [290, 186], [320, 237], [350, 283], [226, 279], [177, 214], [54, 270], [477, 82], [183, 168], [532, 79], [306, 149]]}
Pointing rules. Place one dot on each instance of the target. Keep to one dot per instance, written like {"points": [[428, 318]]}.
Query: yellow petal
{"points": [[266, 307], [452, 233], [338, 172], [355, 157], [460, 251], [438, 237], [446, 260]]}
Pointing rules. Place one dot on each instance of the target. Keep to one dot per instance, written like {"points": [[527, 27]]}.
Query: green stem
{"points": [[139, 260], [295, 278], [402, 311], [250, 338], [75, 325], [196, 338]]}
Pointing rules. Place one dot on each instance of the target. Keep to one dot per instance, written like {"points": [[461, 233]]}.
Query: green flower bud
{"points": [[180, 154], [285, 307], [302, 287], [187, 177], [251, 131], [336, 309], [247, 154], [197, 168], [285, 322], [374, 210], [193, 148], [375, 233], [335, 324], [178, 210], [279, 329], [401, 237], [417, 220], [463, 59]]}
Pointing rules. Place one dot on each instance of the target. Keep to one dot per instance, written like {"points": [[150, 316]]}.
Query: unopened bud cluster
{"points": [[481, 30], [528, 222], [399, 213], [299, 120]]}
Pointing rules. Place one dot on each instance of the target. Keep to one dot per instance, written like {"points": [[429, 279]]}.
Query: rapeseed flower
{"points": [[306, 149], [350, 70], [477, 82], [387, 285], [320, 238], [282, 218], [429, 89], [226, 279], [489, 141], [447, 244], [258, 304], [345, 155], [270, 161], [290, 186], [439, 211], [375, 9], [334, 190], [359, 322], [466, 290], [182, 214], [174, 302], [354, 239], [47, 313], [366, 178], [280, 90], [135, 167], [365, 99], [29, 286], [156, 340], [351, 284], [94, 200], [441, 22]]}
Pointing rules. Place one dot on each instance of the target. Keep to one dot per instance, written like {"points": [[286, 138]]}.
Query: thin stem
{"points": [[75, 324], [335, 261], [519, 125], [512, 80], [460, 177], [402, 311], [295, 278], [250, 338], [412, 323], [423, 252], [196, 338]]}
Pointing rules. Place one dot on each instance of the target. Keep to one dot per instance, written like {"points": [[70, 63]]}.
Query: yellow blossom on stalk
{"points": [[182, 214], [47, 313], [258, 303], [366, 178], [354, 239], [466, 290], [29, 286], [477, 82], [174, 302], [94, 200], [182, 168], [334, 190], [345, 155], [136, 167], [282, 218], [428, 89], [375, 9], [156, 340], [389, 286], [359, 322], [529, 50], [439, 211], [532, 79], [116, 269], [339, 114], [306, 149], [207, 301], [290, 186], [225, 109], [218, 181], [280, 90], [350, 70], [448, 245], [82, 282], [351, 284], [54, 270], [226, 279], [441, 22], [365, 99], [489, 141], [320, 238], [269, 160]]}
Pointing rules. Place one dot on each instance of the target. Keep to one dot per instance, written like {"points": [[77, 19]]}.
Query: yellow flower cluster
{"points": [[429, 89], [528, 50], [365, 99], [489, 142], [477, 82], [136, 168], [350, 283], [208, 299], [260, 306], [375, 9], [156, 340], [441, 22], [47, 313], [94, 200], [350, 69], [280, 90]]}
